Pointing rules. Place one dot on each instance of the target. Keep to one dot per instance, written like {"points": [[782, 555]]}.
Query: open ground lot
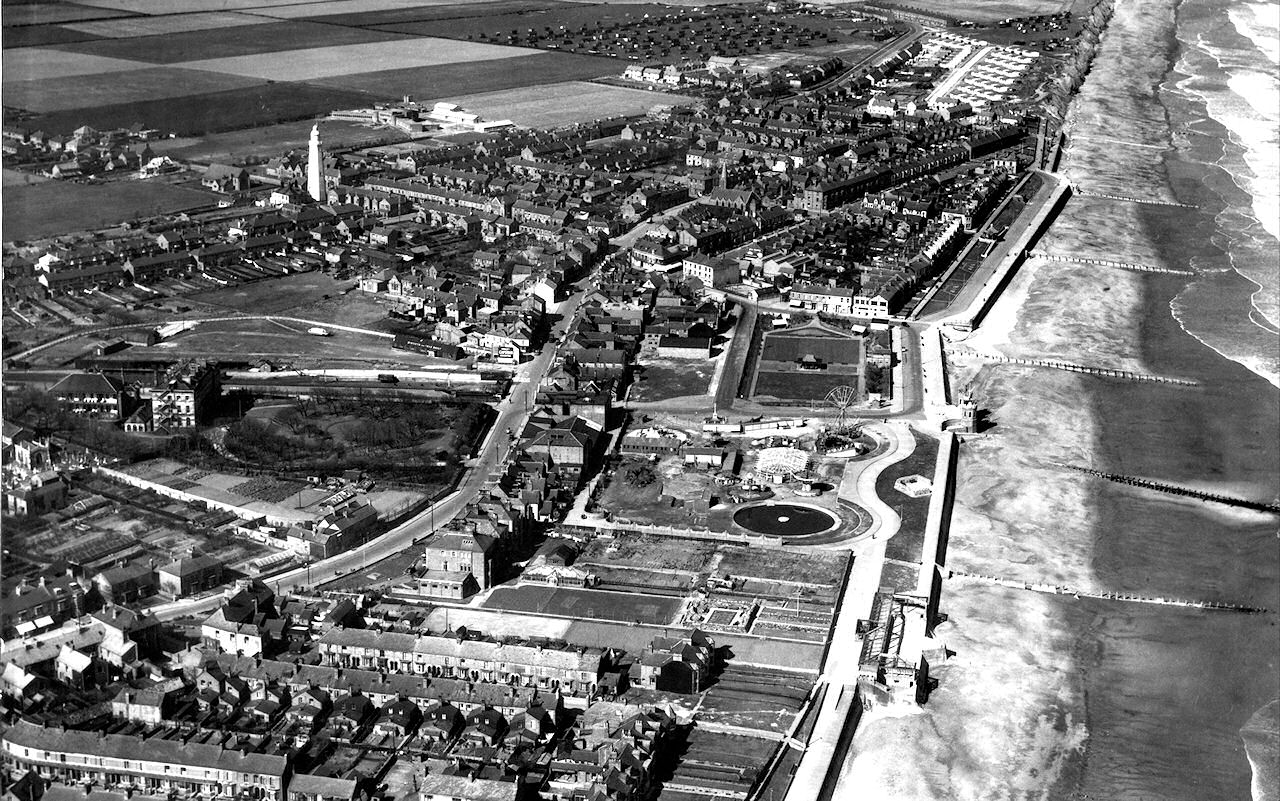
{"points": [[562, 103], [271, 140], [588, 604], [55, 207], [666, 379], [775, 565], [655, 553]]}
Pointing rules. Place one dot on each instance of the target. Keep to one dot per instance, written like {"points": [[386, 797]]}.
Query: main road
{"points": [[512, 414]]}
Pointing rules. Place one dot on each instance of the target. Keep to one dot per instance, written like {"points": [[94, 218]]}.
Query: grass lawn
{"points": [[56, 207], [658, 553], [812, 568], [906, 545], [664, 380], [589, 604], [809, 387]]}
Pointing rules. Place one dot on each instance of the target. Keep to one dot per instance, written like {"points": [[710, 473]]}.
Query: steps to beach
{"points": [[1057, 589], [1120, 265], [1173, 489], [1105, 372]]}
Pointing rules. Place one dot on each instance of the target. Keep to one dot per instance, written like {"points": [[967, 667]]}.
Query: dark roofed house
{"points": [[93, 395], [187, 576]]}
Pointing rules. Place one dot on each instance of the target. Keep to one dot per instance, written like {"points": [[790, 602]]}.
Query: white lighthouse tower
{"points": [[315, 168]]}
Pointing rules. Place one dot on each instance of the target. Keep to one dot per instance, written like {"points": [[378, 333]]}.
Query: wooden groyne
{"points": [[1071, 367], [1130, 199], [1173, 489], [1120, 265], [1058, 589]]}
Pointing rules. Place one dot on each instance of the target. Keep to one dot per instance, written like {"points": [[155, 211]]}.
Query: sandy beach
{"points": [[1053, 697]]}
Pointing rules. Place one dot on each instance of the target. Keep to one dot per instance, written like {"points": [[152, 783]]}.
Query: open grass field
{"points": [[563, 103], [221, 42], [586, 604], [907, 544], [54, 207], [264, 339]]}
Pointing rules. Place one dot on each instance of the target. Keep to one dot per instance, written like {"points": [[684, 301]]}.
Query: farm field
{"points": [[588, 604], [207, 111], [222, 41], [308, 64], [54, 207], [562, 103], [119, 87], [508, 78], [43, 13], [157, 26]]}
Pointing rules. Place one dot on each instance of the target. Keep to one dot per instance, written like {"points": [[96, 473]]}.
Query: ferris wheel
{"points": [[841, 399]]}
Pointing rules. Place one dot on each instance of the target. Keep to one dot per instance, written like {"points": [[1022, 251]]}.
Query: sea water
{"points": [[1051, 697]]}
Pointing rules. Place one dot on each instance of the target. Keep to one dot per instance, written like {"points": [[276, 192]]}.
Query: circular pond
{"points": [[784, 519]]}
